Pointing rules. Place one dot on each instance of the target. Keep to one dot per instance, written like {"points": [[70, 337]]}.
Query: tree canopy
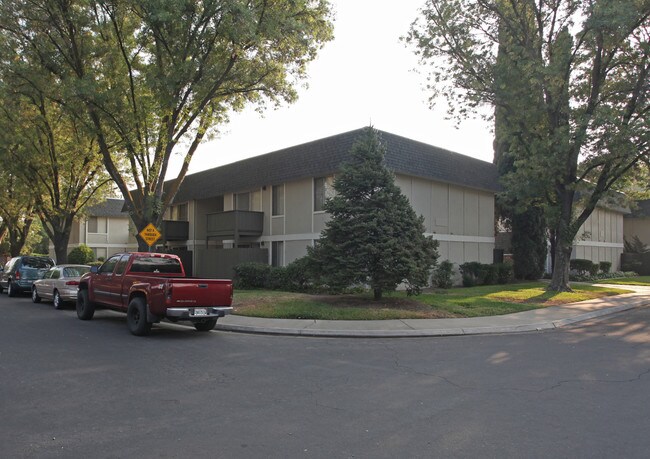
{"points": [[577, 109], [155, 78], [373, 236]]}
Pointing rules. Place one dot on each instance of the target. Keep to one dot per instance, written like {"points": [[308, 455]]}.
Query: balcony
{"points": [[173, 230], [235, 224]]}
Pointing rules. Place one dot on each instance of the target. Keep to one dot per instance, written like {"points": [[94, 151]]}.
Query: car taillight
{"points": [[72, 283], [17, 275], [170, 289]]}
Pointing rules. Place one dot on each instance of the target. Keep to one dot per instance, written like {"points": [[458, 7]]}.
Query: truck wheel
{"points": [[11, 289], [35, 297], [205, 326], [85, 308], [136, 317], [56, 301]]}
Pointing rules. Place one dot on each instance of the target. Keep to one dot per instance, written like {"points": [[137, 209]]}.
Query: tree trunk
{"points": [[560, 280], [60, 242], [377, 293]]}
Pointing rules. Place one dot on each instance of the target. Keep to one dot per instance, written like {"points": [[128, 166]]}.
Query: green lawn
{"points": [[640, 280], [456, 302]]}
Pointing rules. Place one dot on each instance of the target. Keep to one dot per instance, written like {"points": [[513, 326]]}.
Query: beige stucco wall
{"points": [[600, 238], [461, 219], [298, 203], [118, 238]]}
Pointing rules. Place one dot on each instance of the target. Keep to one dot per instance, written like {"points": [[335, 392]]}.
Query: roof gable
{"points": [[324, 156]]}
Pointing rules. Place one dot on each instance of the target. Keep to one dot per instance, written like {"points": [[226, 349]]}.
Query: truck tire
{"points": [[11, 289], [136, 317], [85, 307], [35, 297], [205, 326]]}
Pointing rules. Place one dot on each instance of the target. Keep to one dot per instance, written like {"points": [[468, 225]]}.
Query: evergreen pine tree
{"points": [[374, 236]]}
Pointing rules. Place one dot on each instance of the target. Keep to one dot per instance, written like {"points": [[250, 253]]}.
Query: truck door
{"points": [[103, 282]]}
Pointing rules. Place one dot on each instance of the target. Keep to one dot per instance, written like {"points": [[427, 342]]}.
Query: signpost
{"points": [[150, 235]]}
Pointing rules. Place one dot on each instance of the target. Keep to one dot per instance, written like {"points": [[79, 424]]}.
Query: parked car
{"points": [[59, 284], [20, 272]]}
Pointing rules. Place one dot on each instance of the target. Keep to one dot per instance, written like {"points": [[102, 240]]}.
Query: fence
{"points": [[637, 262]]}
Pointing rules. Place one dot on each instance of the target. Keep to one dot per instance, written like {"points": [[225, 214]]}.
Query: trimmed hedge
{"points": [[295, 277], [582, 267], [475, 273]]}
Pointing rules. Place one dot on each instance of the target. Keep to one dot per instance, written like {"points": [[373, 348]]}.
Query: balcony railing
{"points": [[235, 223], [173, 230]]}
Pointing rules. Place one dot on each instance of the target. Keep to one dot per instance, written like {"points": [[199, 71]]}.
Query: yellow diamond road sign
{"points": [[150, 234]]}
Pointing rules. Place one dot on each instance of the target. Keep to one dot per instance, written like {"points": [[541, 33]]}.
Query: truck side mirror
{"points": [[94, 269]]}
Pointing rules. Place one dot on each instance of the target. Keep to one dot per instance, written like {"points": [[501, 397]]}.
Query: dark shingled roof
{"points": [[323, 157], [641, 210], [112, 207]]}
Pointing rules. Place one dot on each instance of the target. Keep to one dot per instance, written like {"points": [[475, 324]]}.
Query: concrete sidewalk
{"points": [[534, 320]]}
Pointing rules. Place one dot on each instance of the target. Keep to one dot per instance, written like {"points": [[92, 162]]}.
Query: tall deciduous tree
{"points": [[157, 77], [16, 212], [49, 150], [584, 122], [374, 236]]}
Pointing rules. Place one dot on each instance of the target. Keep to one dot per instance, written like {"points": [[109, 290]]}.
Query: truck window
{"points": [[109, 265], [121, 265], [156, 265]]}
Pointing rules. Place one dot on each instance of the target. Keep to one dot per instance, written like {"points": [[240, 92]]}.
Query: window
{"points": [[243, 201], [218, 204], [107, 267], [97, 225], [277, 200], [76, 271], [121, 265], [156, 265], [277, 253], [178, 212], [322, 191], [56, 274]]}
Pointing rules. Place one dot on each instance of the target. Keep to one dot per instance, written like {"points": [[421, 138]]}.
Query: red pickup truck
{"points": [[150, 287]]}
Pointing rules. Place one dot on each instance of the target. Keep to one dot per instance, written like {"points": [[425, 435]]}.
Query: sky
{"points": [[366, 75]]}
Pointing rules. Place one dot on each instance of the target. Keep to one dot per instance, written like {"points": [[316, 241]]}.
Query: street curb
{"points": [[423, 333]]}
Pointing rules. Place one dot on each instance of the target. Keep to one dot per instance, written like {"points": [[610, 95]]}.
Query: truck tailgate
{"points": [[199, 292]]}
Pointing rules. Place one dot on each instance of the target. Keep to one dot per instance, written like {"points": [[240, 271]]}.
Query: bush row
{"points": [[475, 273], [291, 278], [581, 267]]}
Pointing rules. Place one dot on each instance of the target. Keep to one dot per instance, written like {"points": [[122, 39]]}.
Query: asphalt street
{"points": [[78, 389]]}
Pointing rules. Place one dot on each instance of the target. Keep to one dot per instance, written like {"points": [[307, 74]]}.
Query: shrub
{"points": [[277, 279], [475, 273], [582, 266], [81, 255], [471, 269], [489, 274], [442, 274], [605, 266], [251, 275], [299, 275], [504, 273]]}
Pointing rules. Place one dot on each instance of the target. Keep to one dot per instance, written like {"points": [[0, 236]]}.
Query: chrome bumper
{"points": [[188, 313]]}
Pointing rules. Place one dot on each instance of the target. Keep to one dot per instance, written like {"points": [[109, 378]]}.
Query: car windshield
{"points": [[37, 263], [75, 271]]}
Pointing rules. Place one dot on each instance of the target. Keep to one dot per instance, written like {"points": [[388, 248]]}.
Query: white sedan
{"points": [[59, 284]]}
